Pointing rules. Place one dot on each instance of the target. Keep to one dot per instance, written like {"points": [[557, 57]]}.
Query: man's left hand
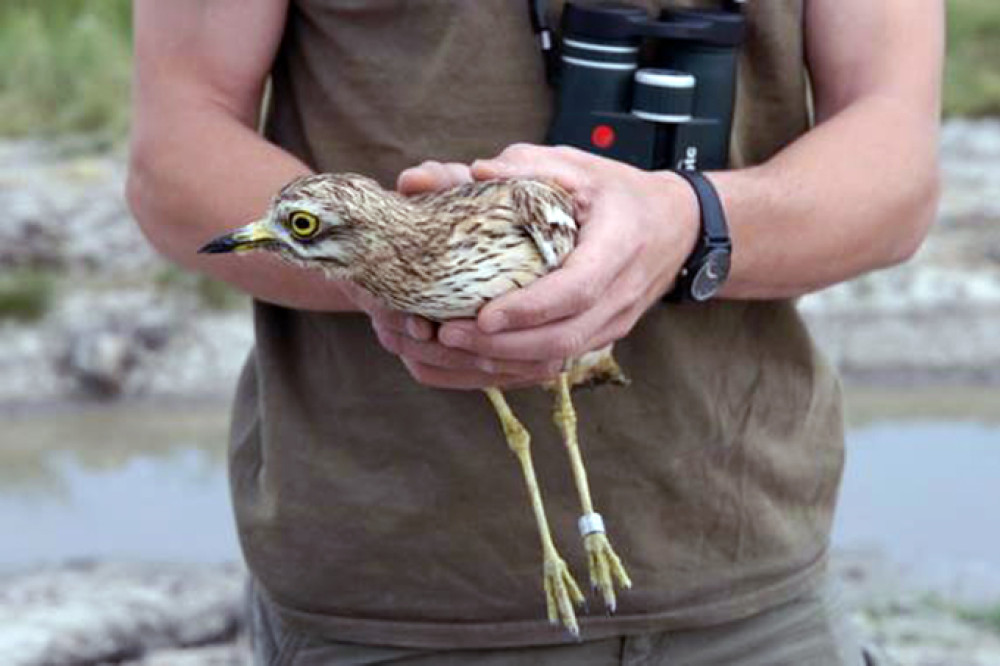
{"points": [[636, 230]]}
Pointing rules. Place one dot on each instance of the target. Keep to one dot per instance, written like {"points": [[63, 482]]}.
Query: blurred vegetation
{"points": [[986, 617], [972, 74], [211, 293], [25, 294], [66, 64]]}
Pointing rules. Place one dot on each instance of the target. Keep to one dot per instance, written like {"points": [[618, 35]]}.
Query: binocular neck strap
{"points": [[539, 10]]}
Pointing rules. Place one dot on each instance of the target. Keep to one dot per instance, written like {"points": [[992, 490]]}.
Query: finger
{"points": [[610, 320], [600, 257], [437, 355], [631, 305], [528, 154], [531, 371], [419, 328], [430, 375], [617, 328], [458, 173], [537, 165], [561, 340], [401, 323], [415, 326], [421, 178], [431, 176]]}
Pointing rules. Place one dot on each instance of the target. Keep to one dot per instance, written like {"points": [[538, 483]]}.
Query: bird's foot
{"points": [[561, 593], [605, 568]]}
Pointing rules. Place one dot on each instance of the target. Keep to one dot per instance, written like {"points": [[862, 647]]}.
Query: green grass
{"points": [[65, 65], [972, 73], [212, 294], [985, 617], [25, 295]]}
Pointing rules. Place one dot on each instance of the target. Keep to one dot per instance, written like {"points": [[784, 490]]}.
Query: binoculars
{"points": [[654, 93]]}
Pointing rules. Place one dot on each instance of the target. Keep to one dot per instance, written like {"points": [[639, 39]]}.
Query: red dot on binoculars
{"points": [[602, 136]]}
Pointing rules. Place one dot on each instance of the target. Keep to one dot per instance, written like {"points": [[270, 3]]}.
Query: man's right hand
{"points": [[414, 339]]}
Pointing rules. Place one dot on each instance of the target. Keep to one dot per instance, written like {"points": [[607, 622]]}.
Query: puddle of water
{"points": [[926, 494], [124, 482], [140, 482], [173, 508]]}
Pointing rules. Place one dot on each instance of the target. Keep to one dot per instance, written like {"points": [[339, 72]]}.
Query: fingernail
{"points": [[487, 365], [414, 329], [494, 322], [451, 337]]}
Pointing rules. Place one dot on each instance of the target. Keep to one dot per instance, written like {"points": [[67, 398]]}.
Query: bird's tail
{"points": [[595, 369]]}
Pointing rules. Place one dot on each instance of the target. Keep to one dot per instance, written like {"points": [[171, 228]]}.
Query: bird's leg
{"points": [[605, 566], [561, 591]]}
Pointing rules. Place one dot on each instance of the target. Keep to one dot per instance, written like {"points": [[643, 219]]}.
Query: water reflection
{"points": [[925, 494], [948, 404], [37, 447], [148, 481], [135, 482]]}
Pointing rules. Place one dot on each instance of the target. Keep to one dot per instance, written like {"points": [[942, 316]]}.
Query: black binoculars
{"points": [[655, 93]]}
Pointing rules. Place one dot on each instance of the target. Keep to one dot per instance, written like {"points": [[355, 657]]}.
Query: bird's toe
{"points": [[606, 568], [561, 594]]}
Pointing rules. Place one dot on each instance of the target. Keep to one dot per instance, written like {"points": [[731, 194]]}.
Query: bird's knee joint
{"points": [[518, 438], [565, 418]]}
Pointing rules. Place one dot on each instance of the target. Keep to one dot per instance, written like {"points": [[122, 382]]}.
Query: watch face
{"points": [[711, 275]]}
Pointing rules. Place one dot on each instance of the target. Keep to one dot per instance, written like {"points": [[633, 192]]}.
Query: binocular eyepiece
{"points": [[655, 93]]}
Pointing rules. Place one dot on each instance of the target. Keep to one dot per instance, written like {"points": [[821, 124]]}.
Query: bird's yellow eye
{"points": [[303, 225]]}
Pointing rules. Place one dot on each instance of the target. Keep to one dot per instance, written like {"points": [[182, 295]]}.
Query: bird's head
{"points": [[319, 221]]}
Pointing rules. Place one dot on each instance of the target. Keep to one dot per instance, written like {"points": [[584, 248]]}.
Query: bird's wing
{"points": [[546, 212]]}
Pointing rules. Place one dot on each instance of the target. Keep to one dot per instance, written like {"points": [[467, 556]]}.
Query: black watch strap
{"points": [[713, 241]]}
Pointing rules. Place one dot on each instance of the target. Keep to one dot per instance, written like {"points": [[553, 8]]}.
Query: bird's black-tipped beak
{"points": [[220, 245], [252, 236]]}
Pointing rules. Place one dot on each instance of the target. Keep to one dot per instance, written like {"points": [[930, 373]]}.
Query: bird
{"points": [[443, 255]]}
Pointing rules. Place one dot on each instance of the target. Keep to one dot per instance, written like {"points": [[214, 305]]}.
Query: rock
{"points": [[100, 361], [154, 328], [926, 636], [28, 243], [113, 612], [911, 624], [60, 208], [236, 654]]}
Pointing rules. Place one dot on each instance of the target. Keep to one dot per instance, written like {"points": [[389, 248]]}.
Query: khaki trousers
{"points": [[810, 631]]}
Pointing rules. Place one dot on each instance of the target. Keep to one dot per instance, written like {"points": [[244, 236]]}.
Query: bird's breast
{"points": [[457, 280]]}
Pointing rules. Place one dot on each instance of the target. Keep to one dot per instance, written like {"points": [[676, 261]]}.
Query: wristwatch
{"points": [[706, 269]]}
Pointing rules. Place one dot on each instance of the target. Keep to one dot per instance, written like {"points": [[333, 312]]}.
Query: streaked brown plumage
{"points": [[443, 256]]}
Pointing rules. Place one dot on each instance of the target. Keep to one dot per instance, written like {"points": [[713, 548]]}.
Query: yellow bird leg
{"points": [[561, 591], [605, 566]]}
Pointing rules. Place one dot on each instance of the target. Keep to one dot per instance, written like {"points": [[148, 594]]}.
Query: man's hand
{"points": [[412, 338], [636, 230]]}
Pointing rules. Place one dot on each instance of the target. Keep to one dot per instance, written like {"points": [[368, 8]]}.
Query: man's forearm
{"points": [[197, 171], [855, 194]]}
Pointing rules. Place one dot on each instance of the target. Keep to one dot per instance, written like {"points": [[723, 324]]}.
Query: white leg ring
{"points": [[591, 523]]}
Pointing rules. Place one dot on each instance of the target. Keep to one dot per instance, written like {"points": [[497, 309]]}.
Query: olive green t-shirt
{"points": [[373, 509]]}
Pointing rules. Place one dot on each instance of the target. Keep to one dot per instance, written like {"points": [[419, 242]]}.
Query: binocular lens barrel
{"points": [[597, 75], [663, 95]]}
